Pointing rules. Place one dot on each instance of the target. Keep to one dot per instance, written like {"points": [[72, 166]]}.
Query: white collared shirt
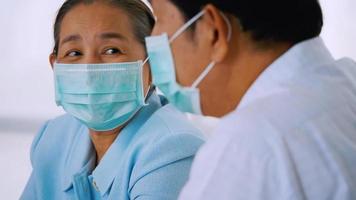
{"points": [[293, 136]]}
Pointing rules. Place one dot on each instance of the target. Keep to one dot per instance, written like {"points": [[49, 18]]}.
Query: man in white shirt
{"points": [[288, 108]]}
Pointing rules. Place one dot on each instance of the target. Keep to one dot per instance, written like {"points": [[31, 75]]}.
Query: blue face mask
{"points": [[187, 99], [102, 96]]}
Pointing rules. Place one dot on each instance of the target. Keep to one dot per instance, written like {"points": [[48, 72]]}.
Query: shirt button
{"points": [[95, 186]]}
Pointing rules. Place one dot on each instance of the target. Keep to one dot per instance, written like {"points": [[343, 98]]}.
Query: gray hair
{"points": [[140, 15]]}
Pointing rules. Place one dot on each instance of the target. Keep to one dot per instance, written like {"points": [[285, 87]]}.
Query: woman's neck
{"points": [[102, 140]]}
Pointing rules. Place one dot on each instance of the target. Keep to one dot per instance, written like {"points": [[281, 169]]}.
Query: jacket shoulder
{"points": [[54, 138]]}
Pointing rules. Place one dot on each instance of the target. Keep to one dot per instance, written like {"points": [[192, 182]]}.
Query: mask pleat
{"points": [[102, 96]]}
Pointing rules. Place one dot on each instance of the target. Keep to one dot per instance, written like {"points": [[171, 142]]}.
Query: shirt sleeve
{"points": [[30, 188], [162, 171]]}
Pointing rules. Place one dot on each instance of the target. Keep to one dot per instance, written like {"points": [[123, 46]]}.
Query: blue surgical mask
{"points": [[187, 99], [101, 96]]}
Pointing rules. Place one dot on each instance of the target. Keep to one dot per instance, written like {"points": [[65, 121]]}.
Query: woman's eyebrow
{"points": [[71, 38], [112, 35]]}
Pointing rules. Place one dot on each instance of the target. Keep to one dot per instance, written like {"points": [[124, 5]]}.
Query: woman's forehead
{"points": [[96, 18]]}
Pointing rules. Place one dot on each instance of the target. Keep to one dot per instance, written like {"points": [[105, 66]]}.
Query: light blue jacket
{"points": [[150, 159]]}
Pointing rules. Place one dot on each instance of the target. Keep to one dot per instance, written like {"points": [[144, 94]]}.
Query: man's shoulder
{"points": [[264, 126]]}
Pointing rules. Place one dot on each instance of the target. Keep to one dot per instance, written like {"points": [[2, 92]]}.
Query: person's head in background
{"points": [[261, 32], [102, 31]]}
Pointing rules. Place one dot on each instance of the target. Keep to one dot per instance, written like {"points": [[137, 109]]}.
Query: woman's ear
{"points": [[52, 59], [218, 29]]}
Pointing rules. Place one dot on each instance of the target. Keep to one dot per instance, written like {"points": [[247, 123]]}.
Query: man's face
{"points": [[189, 54]]}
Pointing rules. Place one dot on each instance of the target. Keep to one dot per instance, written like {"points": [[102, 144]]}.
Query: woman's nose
{"points": [[93, 59]]}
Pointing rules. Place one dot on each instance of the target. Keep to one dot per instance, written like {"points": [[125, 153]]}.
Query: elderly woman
{"points": [[119, 139]]}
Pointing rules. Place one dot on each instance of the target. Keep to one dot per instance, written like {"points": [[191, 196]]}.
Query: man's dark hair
{"points": [[267, 20]]}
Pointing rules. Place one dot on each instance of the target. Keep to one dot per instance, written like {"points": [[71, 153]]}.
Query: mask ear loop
{"points": [[186, 26], [145, 61], [147, 93], [149, 87], [212, 64], [229, 27]]}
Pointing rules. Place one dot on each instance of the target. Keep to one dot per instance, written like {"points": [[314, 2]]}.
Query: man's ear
{"points": [[52, 59], [219, 30]]}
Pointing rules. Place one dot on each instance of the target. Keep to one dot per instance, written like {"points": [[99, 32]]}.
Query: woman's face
{"points": [[98, 33]]}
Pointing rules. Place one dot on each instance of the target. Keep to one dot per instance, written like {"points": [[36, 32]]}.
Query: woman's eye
{"points": [[112, 51], [73, 54]]}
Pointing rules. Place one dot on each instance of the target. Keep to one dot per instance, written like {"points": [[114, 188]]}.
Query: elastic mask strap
{"points": [[147, 93], [203, 75], [212, 64], [149, 87], [229, 27], [186, 26], [144, 62]]}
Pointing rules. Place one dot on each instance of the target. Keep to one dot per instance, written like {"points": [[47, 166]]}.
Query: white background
{"points": [[26, 83]]}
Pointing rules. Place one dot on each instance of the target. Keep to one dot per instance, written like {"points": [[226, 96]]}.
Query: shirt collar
{"points": [[296, 60], [104, 174]]}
